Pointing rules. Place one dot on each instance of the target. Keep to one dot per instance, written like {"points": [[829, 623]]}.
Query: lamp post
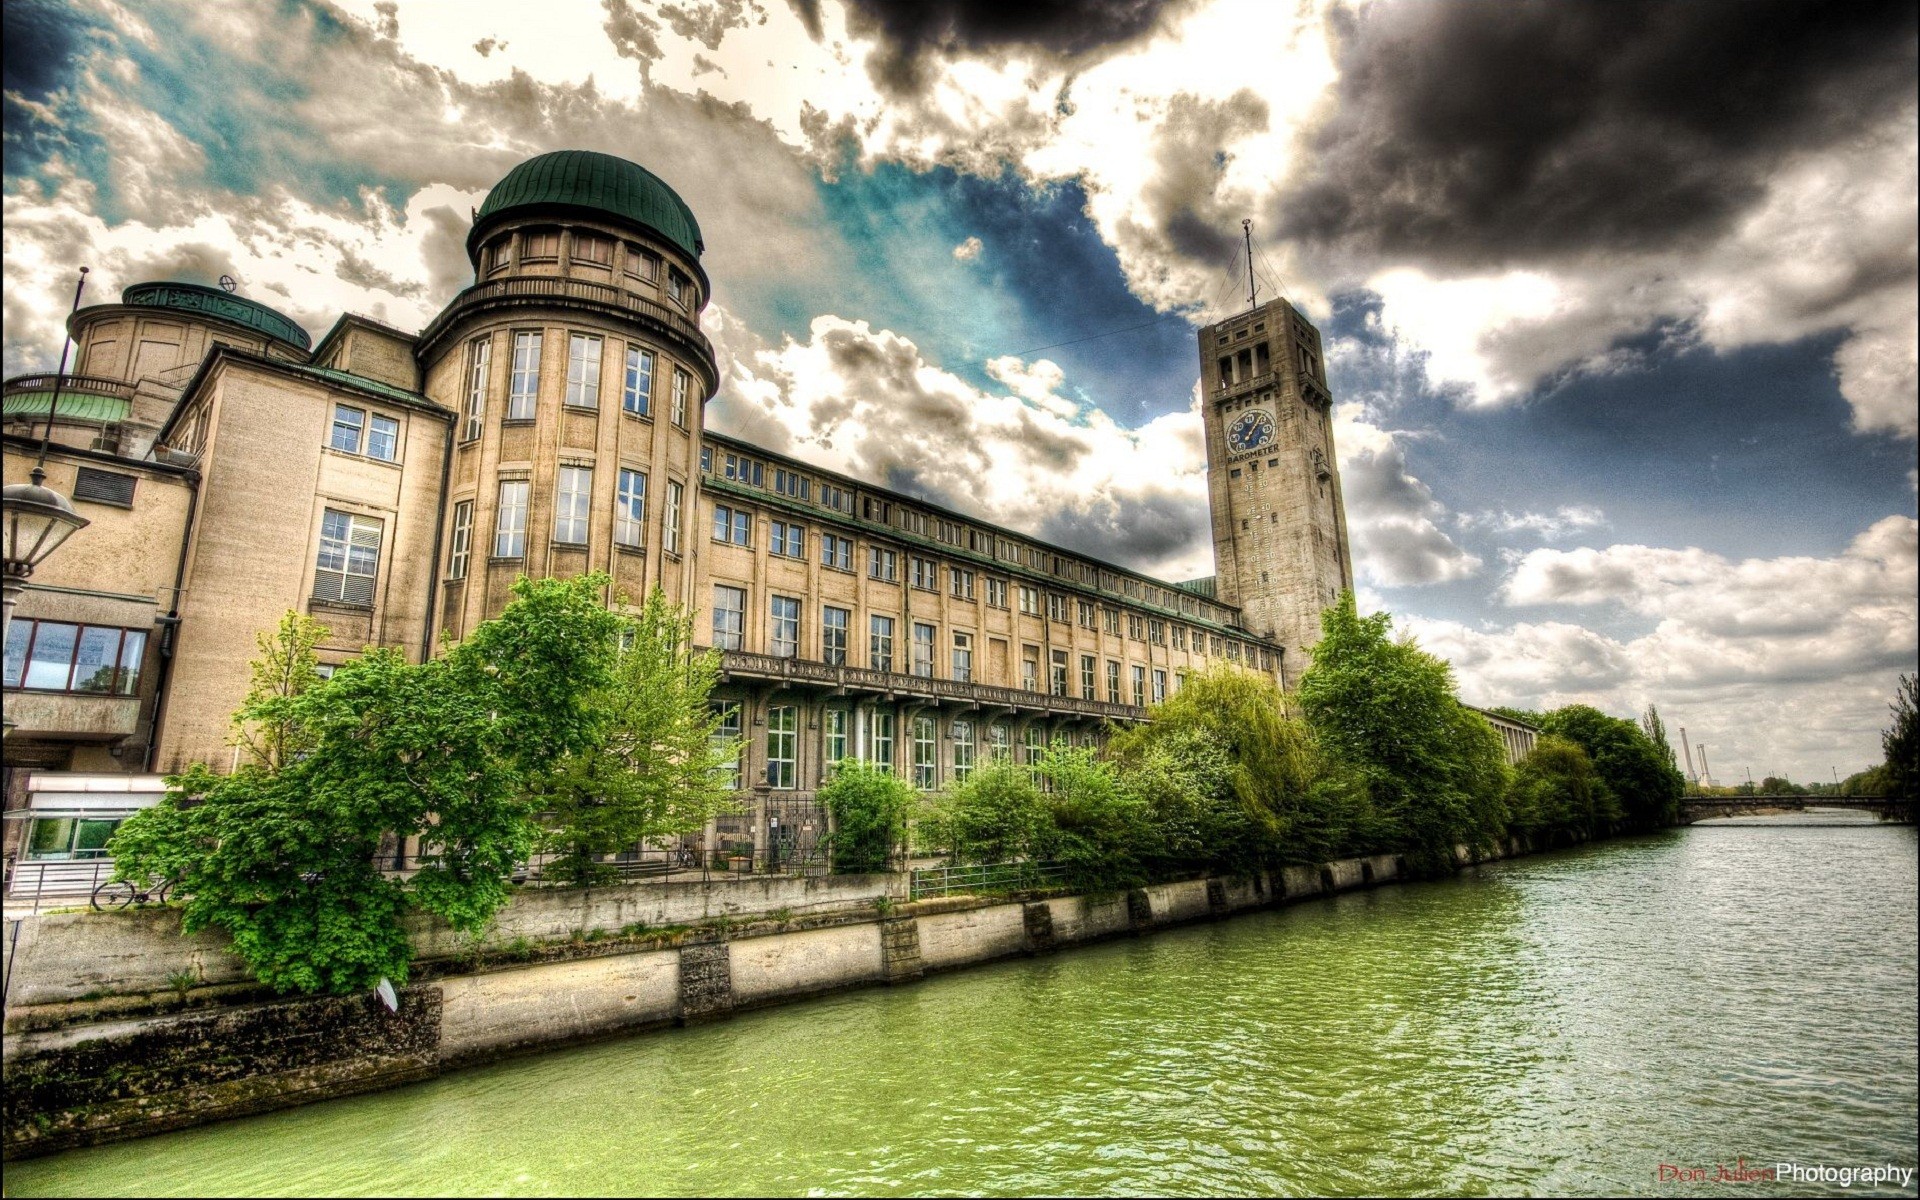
{"points": [[35, 520]]}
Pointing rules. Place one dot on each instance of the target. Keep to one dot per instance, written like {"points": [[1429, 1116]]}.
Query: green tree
{"points": [[282, 854], [286, 669], [1901, 742], [869, 806], [1656, 731], [1556, 791], [1640, 779], [1096, 826], [996, 814], [1434, 770], [656, 765]]}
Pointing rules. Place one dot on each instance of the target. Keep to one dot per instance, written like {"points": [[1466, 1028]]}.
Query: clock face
{"points": [[1250, 431]]}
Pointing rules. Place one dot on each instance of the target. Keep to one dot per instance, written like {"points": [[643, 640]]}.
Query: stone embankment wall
{"points": [[106, 1039]]}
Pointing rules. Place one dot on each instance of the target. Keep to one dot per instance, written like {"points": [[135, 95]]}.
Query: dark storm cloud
{"points": [[909, 30], [1486, 130]]}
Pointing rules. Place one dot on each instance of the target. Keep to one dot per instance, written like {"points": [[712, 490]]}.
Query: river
{"points": [[1559, 1024]]}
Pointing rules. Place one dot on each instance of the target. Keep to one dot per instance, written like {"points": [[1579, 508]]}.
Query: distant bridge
{"points": [[1699, 808]]}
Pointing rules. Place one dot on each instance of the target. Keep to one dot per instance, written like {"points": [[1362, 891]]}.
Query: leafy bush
{"points": [[1637, 776], [869, 809], [1556, 790]]}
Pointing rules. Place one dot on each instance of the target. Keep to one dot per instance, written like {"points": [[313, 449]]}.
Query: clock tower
{"points": [[1279, 528]]}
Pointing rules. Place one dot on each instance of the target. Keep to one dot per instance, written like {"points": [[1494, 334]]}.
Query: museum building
{"points": [[550, 421]]}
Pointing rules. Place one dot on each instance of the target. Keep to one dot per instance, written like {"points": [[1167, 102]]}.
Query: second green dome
{"points": [[585, 179]]}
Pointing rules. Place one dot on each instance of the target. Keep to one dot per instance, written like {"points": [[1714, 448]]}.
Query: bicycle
{"points": [[116, 894]]}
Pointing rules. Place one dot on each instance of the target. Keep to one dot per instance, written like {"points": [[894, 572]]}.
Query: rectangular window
{"points": [[670, 528], [785, 628], [636, 389], [1179, 637], [1085, 613], [583, 371], [924, 750], [732, 525], [729, 617], [997, 741], [836, 736], [1030, 668], [926, 574], [996, 593], [1056, 607], [883, 564], [1057, 672], [1113, 682], [55, 656], [1086, 677], [1036, 749], [1157, 632], [783, 745], [460, 547], [833, 637], [1136, 628], [349, 558], [524, 387], [479, 359], [383, 438], [1029, 600], [1159, 685], [963, 657], [837, 498], [630, 509], [541, 243], [1139, 686], [590, 249], [641, 264], [791, 483], [1110, 620], [880, 644], [726, 735], [573, 499], [680, 383], [788, 540], [880, 740], [962, 749], [836, 552], [923, 638], [960, 583], [676, 287], [510, 522], [742, 528], [347, 424]]}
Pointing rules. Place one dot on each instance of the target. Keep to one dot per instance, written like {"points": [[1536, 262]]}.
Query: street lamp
{"points": [[35, 520]]}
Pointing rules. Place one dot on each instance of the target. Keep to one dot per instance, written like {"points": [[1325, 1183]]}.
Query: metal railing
{"points": [[928, 882], [800, 670], [91, 385], [551, 287], [59, 882]]}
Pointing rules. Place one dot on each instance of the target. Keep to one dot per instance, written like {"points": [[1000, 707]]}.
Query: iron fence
{"points": [[928, 882]]}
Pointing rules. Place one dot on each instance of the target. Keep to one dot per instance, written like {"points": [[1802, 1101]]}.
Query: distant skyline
{"points": [[1619, 298]]}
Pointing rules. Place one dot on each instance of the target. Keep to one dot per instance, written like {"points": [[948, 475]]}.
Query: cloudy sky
{"points": [[1620, 298]]}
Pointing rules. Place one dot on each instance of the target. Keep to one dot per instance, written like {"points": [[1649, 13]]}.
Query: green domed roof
{"points": [[601, 182], [212, 302]]}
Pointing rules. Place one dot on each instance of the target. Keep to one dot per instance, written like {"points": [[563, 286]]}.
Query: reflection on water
{"points": [[1559, 1024]]}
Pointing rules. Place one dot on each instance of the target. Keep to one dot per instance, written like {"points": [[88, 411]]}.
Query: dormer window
{"points": [[541, 245]]}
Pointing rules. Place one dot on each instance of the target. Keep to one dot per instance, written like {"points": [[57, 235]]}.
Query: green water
{"points": [[1557, 1024]]}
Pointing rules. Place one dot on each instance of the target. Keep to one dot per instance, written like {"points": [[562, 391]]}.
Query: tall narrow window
{"points": [[479, 358], [836, 736], [963, 657], [636, 392], [1036, 749], [510, 523], [923, 636], [924, 751], [525, 384], [833, 635], [783, 744], [573, 501], [1086, 677], [726, 736], [962, 749], [1030, 668], [349, 558], [383, 438], [630, 509], [1113, 682], [880, 740], [680, 383], [460, 545], [347, 424], [583, 371], [880, 645], [729, 617], [670, 527], [1057, 672], [785, 627], [1159, 685], [1139, 686]]}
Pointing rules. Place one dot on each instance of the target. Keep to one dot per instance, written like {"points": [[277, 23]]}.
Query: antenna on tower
{"points": [[1253, 283]]}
